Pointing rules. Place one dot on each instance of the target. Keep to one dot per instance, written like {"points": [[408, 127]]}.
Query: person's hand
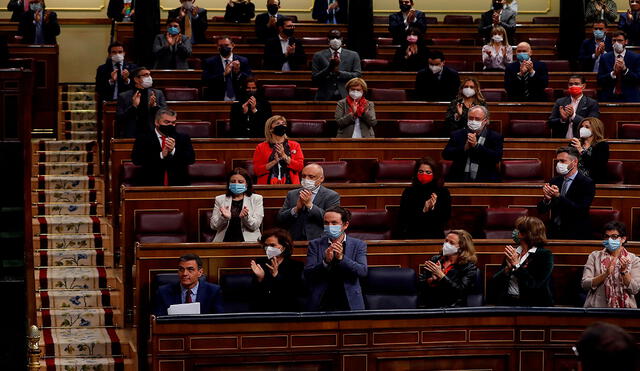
{"points": [[568, 109], [333, 6], [169, 145], [125, 74], [338, 249], [555, 191], [599, 49], [575, 143], [244, 212], [272, 22], [411, 16], [472, 140], [459, 109], [178, 39], [114, 74], [38, 15], [563, 113], [257, 270], [528, 65], [354, 108], [299, 203], [434, 268], [305, 196], [170, 39], [511, 256], [273, 267], [619, 67], [226, 212], [523, 69], [291, 49], [612, 265], [250, 104], [47, 15], [153, 101], [228, 68], [183, 13], [328, 254], [547, 191], [624, 263], [135, 99], [235, 65], [430, 203], [488, 52], [629, 15], [195, 10]]}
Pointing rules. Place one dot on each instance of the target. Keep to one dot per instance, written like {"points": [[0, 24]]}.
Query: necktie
{"points": [[229, 92], [618, 89], [565, 187], [26, 5], [187, 297], [187, 25], [336, 55], [116, 89], [166, 175]]}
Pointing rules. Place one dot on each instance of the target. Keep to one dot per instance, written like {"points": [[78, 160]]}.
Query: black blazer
{"points": [[570, 213], [209, 296], [274, 58], [146, 153], [631, 28], [133, 121], [27, 29], [319, 12], [249, 125], [587, 49], [534, 277], [516, 87], [488, 156], [264, 33], [103, 75], [17, 9], [214, 79], [588, 107], [413, 223], [594, 164], [431, 89], [452, 290], [414, 63], [198, 25], [240, 12], [283, 293], [397, 26]]}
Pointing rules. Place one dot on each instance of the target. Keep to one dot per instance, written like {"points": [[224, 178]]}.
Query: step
{"points": [[73, 257], [79, 105], [65, 156], [80, 115], [75, 209], [77, 96], [87, 364], [82, 125], [64, 145], [67, 196], [69, 168], [61, 299], [81, 318], [64, 224], [74, 278], [78, 87], [87, 135], [89, 342], [83, 182], [76, 241]]}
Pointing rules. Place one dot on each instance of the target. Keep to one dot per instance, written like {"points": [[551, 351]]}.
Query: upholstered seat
{"points": [[335, 171], [615, 172], [418, 129], [206, 232], [375, 64], [279, 92], [542, 42], [370, 224], [130, 173], [181, 94], [600, 217], [195, 129], [557, 65], [160, 226], [390, 171], [458, 19], [207, 173], [378, 94], [302, 128], [500, 222], [528, 129], [236, 292], [494, 95], [390, 288], [630, 131], [527, 170]]}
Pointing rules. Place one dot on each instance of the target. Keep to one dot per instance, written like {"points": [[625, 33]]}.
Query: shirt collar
{"points": [[159, 134], [229, 58], [531, 250], [344, 241], [572, 177], [577, 100], [333, 51], [624, 52], [194, 289]]}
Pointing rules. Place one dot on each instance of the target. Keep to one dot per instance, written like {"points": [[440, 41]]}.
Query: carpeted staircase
{"points": [[78, 288]]}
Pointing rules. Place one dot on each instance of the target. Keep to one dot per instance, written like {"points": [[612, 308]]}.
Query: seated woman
{"points": [[277, 283], [413, 52], [237, 214], [250, 112], [497, 53], [355, 115], [594, 150], [172, 49], [239, 11], [469, 95], [277, 160], [448, 278], [611, 276], [523, 278], [425, 207]]}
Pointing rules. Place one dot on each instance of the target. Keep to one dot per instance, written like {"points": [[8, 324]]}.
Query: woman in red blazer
{"points": [[277, 160]]}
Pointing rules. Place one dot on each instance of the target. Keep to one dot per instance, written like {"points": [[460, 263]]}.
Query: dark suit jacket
{"points": [[452, 290], [515, 86], [264, 33], [27, 29], [413, 222], [630, 80], [397, 27], [631, 28], [507, 21], [274, 58], [350, 269], [240, 12], [319, 12], [209, 296], [249, 125], [282, 293], [432, 89], [146, 153], [488, 156], [129, 118], [594, 165], [570, 213], [587, 49], [213, 76], [331, 84], [103, 75], [198, 25], [308, 224], [534, 277], [588, 107], [169, 57], [17, 9]]}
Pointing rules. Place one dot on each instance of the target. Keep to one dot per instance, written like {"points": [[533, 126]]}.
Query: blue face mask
{"points": [[333, 231], [611, 244], [598, 34], [237, 188], [523, 57], [173, 31], [35, 6]]}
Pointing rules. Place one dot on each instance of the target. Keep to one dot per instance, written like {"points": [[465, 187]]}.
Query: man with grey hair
{"points": [[303, 210], [163, 154], [568, 196], [475, 150], [526, 79]]}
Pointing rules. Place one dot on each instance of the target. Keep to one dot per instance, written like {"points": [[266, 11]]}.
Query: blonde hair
{"points": [[501, 30], [466, 252], [533, 231], [597, 128], [479, 97], [356, 81], [268, 135]]}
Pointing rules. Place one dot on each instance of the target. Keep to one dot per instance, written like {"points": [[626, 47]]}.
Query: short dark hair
{"points": [[619, 33], [436, 54], [190, 257], [244, 82], [224, 37], [284, 239], [281, 20], [605, 346], [578, 76], [245, 175], [113, 45], [600, 21], [136, 71], [615, 225], [571, 151], [172, 20], [345, 214], [334, 33], [435, 168]]}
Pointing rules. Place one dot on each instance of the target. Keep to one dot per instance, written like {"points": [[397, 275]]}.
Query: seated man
{"points": [[266, 22], [593, 48], [304, 207], [137, 107], [569, 111], [405, 19], [165, 154], [629, 22], [619, 73], [331, 68], [526, 79], [192, 20], [223, 73], [475, 150], [113, 77], [250, 113], [172, 48], [38, 26], [335, 265], [329, 11], [498, 16], [190, 289], [438, 83], [568, 196], [284, 52]]}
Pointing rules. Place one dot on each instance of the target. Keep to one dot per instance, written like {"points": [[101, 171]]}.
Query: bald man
{"points": [[526, 79], [303, 210]]}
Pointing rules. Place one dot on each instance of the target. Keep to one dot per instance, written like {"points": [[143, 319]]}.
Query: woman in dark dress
{"points": [[469, 95], [413, 52], [594, 150]]}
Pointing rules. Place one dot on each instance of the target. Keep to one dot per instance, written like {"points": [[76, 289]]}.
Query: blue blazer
{"points": [[630, 80], [352, 267], [587, 49], [209, 296], [631, 28], [213, 76]]}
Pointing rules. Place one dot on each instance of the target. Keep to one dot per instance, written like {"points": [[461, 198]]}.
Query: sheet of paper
{"points": [[188, 308]]}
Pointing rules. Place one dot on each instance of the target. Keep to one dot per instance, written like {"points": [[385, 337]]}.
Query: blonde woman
{"points": [[277, 160], [594, 150], [497, 53], [355, 115]]}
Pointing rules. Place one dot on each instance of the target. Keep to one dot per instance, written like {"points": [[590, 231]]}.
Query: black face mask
{"points": [[251, 93], [288, 32], [498, 6], [405, 7], [167, 130], [225, 51], [272, 9], [280, 130]]}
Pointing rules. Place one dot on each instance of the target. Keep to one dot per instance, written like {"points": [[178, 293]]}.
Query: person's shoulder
{"points": [[543, 251], [294, 192], [326, 190], [255, 196], [512, 66], [209, 287], [451, 71], [318, 241], [172, 12], [494, 134], [221, 197], [563, 100], [355, 241], [459, 133], [212, 59], [583, 179], [168, 288]]}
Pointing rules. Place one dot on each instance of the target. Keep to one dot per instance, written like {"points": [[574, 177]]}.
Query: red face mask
{"points": [[425, 178], [575, 90]]}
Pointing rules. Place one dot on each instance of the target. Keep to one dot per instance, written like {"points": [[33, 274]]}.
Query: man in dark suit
{"points": [[476, 151], [629, 22], [38, 26], [250, 113], [222, 74], [164, 154], [330, 11], [405, 19], [593, 48], [335, 264], [526, 79], [137, 107], [284, 52], [266, 23], [190, 289], [331, 68], [569, 111], [304, 207], [498, 16], [192, 20], [568, 196], [113, 77], [17, 9], [438, 82], [619, 72]]}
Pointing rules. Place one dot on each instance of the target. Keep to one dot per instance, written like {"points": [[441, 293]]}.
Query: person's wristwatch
{"points": [[517, 266]]}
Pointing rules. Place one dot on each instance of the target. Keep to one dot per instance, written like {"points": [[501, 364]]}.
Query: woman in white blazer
{"points": [[237, 215]]}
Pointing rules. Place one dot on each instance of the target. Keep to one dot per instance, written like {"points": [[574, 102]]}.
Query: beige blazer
{"points": [[346, 121], [596, 297], [250, 224]]}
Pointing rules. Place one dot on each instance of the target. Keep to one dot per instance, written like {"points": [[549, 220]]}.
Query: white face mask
{"points": [[448, 249], [117, 58], [497, 38], [618, 47], [435, 69], [308, 184], [187, 5], [468, 92], [272, 251], [147, 82], [474, 125], [355, 94], [562, 168], [585, 133], [335, 44]]}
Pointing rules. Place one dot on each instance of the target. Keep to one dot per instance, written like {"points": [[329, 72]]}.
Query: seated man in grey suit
{"points": [[335, 265], [332, 68], [304, 207], [568, 112]]}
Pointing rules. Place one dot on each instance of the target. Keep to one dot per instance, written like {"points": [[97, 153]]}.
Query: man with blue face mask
{"points": [[526, 79], [38, 26], [335, 265], [172, 48], [594, 47]]}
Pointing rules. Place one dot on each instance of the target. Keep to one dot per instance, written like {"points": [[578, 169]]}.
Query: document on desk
{"points": [[188, 308]]}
